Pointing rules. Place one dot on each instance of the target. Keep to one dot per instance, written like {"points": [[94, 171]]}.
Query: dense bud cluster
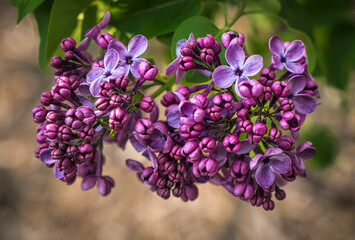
{"points": [[235, 132]]}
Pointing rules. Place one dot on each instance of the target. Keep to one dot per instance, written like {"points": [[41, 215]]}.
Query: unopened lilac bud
{"points": [[122, 82], [99, 63], [68, 44], [163, 192], [118, 118], [267, 94], [205, 167], [243, 190], [268, 205], [227, 38], [72, 151], [192, 151], [64, 133], [147, 71], [147, 104], [217, 49], [115, 100], [104, 185], [87, 133], [239, 170], [39, 114], [86, 153], [290, 121], [58, 154], [207, 144], [286, 143], [106, 89], [101, 104], [169, 166], [69, 55], [176, 152], [231, 143], [256, 200], [195, 130], [245, 125], [191, 191], [46, 98], [274, 134], [72, 81], [257, 90], [214, 113], [244, 88], [74, 118], [280, 194], [168, 99], [268, 73], [223, 100], [147, 172], [51, 131], [243, 113], [287, 105], [144, 128], [186, 63], [291, 174], [187, 50], [175, 176], [104, 39], [40, 137], [177, 191], [259, 129], [56, 62], [61, 91], [207, 55], [184, 91], [280, 89]]}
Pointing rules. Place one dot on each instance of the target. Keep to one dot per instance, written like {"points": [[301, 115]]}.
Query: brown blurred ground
{"points": [[33, 205]]}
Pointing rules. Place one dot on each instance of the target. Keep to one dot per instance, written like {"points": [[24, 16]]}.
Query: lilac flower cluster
{"points": [[238, 131]]}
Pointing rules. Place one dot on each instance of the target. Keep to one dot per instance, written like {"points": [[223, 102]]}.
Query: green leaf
{"points": [[194, 77], [295, 16], [42, 15], [62, 22], [137, 98], [112, 134], [267, 6], [153, 18], [89, 19], [199, 26], [166, 38], [25, 7], [15, 3]]}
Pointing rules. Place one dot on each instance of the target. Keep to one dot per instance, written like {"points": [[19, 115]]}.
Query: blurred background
{"points": [[34, 205]]}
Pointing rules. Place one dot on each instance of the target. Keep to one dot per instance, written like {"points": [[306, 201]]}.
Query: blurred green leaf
{"points": [[42, 15], [27, 6], [199, 26], [152, 18], [326, 144], [15, 3], [267, 6], [137, 98], [166, 38], [89, 20], [62, 22], [112, 134], [195, 78]]}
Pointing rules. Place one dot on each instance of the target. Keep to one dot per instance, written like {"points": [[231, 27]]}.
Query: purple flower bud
{"points": [[286, 143], [243, 190], [74, 118], [107, 89], [68, 168], [104, 39], [87, 133], [231, 143], [239, 170], [280, 194], [104, 185], [58, 71], [57, 154], [147, 104], [205, 167], [68, 44], [257, 200], [99, 63], [259, 129], [184, 91], [39, 114], [147, 71], [257, 90], [177, 191], [217, 49], [206, 42], [199, 100], [71, 81], [290, 121], [287, 105], [40, 137], [69, 55], [192, 151], [245, 125], [207, 144], [175, 176], [144, 127], [118, 118], [191, 191], [72, 151], [267, 76], [56, 62], [168, 99], [227, 37], [176, 152], [280, 89], [61, 91], [64, 133], [267, 94], [291, 174], [101, 104], [86, 153], [207, 55], [223, 101], [46, 98], [186, 63], [147, 172], [169, 166], [311, 88], [187, 50], [244, 88], [116, 100], [274, 134], [187, 131], [214, 113], [163, 192], [51, 131], [268, 205], [243, 113], [122, 82]]}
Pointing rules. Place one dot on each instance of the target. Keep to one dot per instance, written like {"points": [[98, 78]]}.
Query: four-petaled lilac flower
{"points": [[111, 70], [268, 164], [240, 68], [288, 56], [304, 103], [129, 57]]}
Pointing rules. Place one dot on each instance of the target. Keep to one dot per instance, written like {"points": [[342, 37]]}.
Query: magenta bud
{"points": [[144, 128], [51, 131], [118, 118], [68, 44], [176, 152], [187, 50], [147, 71], [104, 39], [259, 129], [268, 205], [39, 114], [122, 82], [290, 121], [267, 94], [72, 151], [86, 153], [286, 143], [274, 134], [147, 104], [46, 98], [192, 151], [280, 194], [199, 100], [245, 125], [101, 104], [280, 89], [64, 133], [115, 100], [163, 192], [287, 105], [87, 133], [104, 185], [177, 191], [239, 170], [244, 88], [184, 91], [214, 113], [206, 167], [56, 62], [257, 89], [186, 63], [231, 143], [207, 144], [207, 55]]}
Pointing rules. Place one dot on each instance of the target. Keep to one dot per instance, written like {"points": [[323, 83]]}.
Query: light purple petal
{"points": [[245, 147], [179, 46], [84, 89], [46, 157], [264, 176], [134, 165], [186, 108], [119, 47], [253, 65], [304, 103], [191, 37], [173, 117], [179, 76], [88, 182], [118, 71], [173, 67], [153, 159], [297, 83], [136, 144], [273, 151], [83, 44], [280, 164], [95, 87], [235, 56], [276, 62], [86, 101], [276, 46], [104, 22], [156, 141], [217, 180], [236, 86], [254, 162], [111, 59], [137, 46], [303, 146], [94, 74], [293, 67], [57, 174], [224, 76], [204, 72], [305, 150], [295, 51], [134, 66], [154, 115]]}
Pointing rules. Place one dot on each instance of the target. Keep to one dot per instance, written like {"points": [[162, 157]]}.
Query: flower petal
{"points": [[88, 182], [46, 157], [119, 47], [294, 67], [173, 67], [95, 87], [276, 62], [117, 72], [276, 46], [304, 103], [273, 151], [280, 163], [179, 46], [173, 117], [94, 74], [305, 150], [134, 66], [252, 65], [134, 165], [236, 86], [297, 83], [224, 76], [111, 59], [179, 76], [254, 162], [295, 51], [264, 176], [137, 46], [235, 56]]}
